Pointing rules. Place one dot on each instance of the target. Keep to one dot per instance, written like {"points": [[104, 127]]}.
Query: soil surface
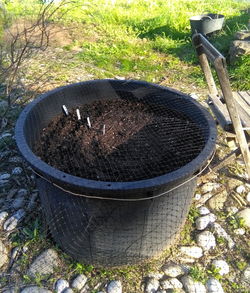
{"points": [[139, 142]]}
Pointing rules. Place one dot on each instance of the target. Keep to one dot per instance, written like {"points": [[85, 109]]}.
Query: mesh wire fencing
{"points": [[123, 132]]}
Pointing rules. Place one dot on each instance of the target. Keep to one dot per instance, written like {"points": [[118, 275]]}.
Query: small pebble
{"points": [[17, 171], [114, 287], [79, 282], [191, 251], [203, 221], [172, 283], [232, 210], [197, 196], [12, 222], [173, 270], [222, 266], [241, 189], [214, 286], [240, 231], [204, 211], [152, 285], [4, 176], [3, 216], [245, 215], [206, 240], [192, 286], [61, 285]]}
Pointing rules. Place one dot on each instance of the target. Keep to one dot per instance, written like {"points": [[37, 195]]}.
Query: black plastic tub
{"points": [[113, 223], [206, 23]]}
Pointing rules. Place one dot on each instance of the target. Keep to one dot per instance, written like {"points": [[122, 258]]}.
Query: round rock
{"points": [[35, 289], [173, 270], [68, 290], [222, 266], [152, 285], [192, 286], [114, 287], [240, 231], [202, 222], [204, 211], [79, 282], [191, 251], [241, 189], [45, 263], [246, 275], [171, 283], [17, 171], [206, 240], [61, 285], [214, 286], [245, 215]]}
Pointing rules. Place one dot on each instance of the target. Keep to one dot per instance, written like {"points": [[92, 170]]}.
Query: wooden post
{"points": [[208, 74], [232, 109]]}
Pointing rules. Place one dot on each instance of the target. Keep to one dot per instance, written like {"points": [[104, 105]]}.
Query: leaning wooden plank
{"points": [[220, 111], [244, 110], [246, 97], [220, 66]]}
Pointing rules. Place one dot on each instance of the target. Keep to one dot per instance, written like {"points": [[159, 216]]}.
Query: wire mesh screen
{"points": [[122, 135], [127, 140], [114, 233]]}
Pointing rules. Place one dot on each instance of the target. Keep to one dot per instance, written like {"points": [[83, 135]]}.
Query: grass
{"points": [[147, 40]]}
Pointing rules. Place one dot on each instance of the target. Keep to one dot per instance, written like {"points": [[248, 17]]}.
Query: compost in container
{"points": [[117, 168]]}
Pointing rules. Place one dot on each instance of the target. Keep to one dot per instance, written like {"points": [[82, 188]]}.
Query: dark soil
{"points": [[140, 141]]}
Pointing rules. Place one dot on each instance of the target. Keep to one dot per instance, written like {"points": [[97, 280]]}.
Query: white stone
{"points": [[197, 196], [248, 197], [3, 216], [114, 287], [152, 285], [13, 221], [17, 171], [240, 231], [246, 275], [222, 266], [232, 210], [241, 189], [3, 254], [204, 211], [192, 286], [214, 286], [210, 186], [61, 285], [44, 264], [79, 282], [222, 233], [203, 221], [4, 176], [192, 251], [171, 283], [173, 270], [206, 240], [245, 215]]}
